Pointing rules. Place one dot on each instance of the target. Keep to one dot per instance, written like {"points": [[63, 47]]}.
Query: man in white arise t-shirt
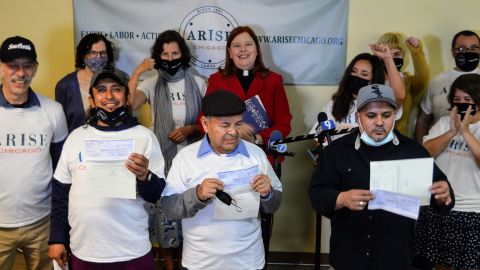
{"points": [[32, 133]]}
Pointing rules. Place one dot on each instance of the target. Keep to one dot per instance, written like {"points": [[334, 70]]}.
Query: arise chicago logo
{"points": [[206, 31]]}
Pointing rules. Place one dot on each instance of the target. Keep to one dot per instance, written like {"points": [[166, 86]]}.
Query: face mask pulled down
{"points": [[111, 118], [371, 142]]}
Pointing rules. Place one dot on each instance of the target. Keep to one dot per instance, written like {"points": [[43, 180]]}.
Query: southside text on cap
{"points": [[222, 103], [375, 93], [17, 47], [110, 72]]}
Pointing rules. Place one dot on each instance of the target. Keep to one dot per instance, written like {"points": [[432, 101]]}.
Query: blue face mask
{"points": [[369, 141]]}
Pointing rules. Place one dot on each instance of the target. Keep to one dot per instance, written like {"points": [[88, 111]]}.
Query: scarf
{"points": [[162, 106]]}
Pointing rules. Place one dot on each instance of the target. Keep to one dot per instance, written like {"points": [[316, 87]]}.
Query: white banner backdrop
{"points": [[304, 40]]}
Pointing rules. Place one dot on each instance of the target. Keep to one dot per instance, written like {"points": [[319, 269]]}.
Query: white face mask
{"points": [[369, 141]]}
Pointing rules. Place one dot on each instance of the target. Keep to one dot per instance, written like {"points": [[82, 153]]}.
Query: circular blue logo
{"points": [[206, 31]]}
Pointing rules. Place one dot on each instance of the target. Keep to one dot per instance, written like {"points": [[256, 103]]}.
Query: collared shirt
{"points": [[206, 148], [236, 244], [32, 100]]}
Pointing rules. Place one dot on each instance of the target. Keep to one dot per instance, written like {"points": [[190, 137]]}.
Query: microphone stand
{"points": [[267, 219], [318, 219], [318, 228], [275, 154]]}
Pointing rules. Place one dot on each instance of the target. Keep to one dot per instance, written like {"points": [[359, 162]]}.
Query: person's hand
{"points": [[261, 183], [247, 133], [138, 165], [354, 199], [454, 121], [413, 42], [208, 188], [147, 64], [180, 134], [441, 192], [382, 51], [58, 253]]}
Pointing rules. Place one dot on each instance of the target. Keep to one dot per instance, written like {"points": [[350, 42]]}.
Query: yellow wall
{"points": [[49, 24]]}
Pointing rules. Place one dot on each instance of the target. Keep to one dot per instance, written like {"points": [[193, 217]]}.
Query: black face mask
{"points": [[354, 83], [398, 63], [111, 118], [171, 67], [462, 109], [223, 197], [466, 61]]}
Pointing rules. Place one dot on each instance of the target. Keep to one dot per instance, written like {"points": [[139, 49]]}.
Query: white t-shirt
{"points": [[106, 229], [350, 121], [435, 101], [218, 244], [25, 160], [457, 162]]}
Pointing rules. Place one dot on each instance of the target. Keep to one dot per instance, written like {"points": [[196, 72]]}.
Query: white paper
{"points": [[411, 177], [235, 179], [56, 266], [404, 205], [108, 150], [109, 180], [245, 204]]}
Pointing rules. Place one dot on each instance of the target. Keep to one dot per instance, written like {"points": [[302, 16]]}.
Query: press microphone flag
{"points": [[325, 125], [276, 136]]}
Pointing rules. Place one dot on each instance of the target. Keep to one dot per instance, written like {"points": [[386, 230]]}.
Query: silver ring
{"points": [[361, 203]]}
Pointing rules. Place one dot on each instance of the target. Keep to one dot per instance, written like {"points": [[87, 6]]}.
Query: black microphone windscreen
{"points": [[321, 117]]}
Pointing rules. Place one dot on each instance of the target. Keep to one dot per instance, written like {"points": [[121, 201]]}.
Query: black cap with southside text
{"points": [[17, 47]]}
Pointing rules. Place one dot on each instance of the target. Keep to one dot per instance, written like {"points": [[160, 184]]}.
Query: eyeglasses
{"points": [[94, 54], [27, 67], [475, 49]]}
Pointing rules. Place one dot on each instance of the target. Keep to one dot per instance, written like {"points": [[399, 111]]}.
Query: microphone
{"points": [[276, 136], [321, 116], [325, 125]]}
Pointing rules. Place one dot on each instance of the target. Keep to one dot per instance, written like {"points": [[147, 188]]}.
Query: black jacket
{"points": [[368, 239]]}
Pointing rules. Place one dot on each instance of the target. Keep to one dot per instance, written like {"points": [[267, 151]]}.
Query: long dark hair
{"points": [[343, 98], [229, 69], [86, 44], [167, 37]]}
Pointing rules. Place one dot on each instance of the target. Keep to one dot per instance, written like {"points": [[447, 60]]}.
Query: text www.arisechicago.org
{"points": [[301, 40]]}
